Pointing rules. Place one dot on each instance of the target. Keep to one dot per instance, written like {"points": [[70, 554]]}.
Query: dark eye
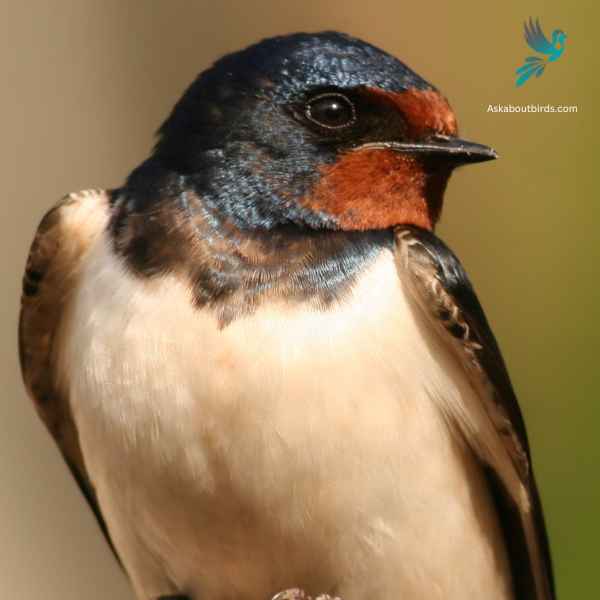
{"points": [[332, 111]]}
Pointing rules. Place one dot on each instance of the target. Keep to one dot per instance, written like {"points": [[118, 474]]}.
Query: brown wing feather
{"points": [[61, 242], [443, 293]]}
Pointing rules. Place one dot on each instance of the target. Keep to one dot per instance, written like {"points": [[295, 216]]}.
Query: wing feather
{"points": [[62, 239], [493, 428], [535, 38]]}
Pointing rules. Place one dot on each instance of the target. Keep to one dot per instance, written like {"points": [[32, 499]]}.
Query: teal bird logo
{"points": [[536, 40]]}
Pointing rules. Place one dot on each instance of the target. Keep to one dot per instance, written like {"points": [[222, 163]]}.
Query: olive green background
{"points": [[84, 85]]}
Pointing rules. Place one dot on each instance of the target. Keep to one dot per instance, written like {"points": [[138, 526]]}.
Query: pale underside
{"points": [[290, 448]]}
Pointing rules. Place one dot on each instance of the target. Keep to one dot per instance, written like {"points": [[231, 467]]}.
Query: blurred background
{"points": [[85, 85]]}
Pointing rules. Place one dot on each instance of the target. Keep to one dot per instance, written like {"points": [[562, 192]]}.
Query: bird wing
{"points": [[59, 247], [493, 427], [535, 38]]}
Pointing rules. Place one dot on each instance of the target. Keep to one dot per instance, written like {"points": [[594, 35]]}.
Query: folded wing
{"points": [[60, 245], [493, 427]]}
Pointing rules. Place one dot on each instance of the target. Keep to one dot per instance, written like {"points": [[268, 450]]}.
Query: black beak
{"points": [[451, 148]]}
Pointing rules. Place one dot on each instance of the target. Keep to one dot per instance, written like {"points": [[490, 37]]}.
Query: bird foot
{"points": [[298, 594]]}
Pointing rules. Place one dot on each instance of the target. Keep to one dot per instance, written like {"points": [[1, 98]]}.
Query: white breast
{"points": [[291, 448]]}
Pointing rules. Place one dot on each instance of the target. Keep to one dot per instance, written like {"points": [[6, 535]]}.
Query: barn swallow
{"points": [[264, 369]]}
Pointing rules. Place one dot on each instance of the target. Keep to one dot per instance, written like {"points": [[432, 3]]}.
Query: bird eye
{"points": [[331, 110]]}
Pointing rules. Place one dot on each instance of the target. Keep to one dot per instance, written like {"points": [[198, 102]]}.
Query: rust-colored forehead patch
{"points": [[425, 111]]}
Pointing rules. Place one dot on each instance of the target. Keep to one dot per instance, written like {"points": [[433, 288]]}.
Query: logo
{"points": [[537, 41]]}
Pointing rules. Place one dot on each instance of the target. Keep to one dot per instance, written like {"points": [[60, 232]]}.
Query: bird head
{"points": [[558, 38], [322, 131]]}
